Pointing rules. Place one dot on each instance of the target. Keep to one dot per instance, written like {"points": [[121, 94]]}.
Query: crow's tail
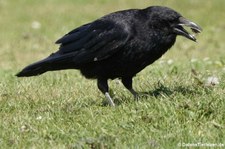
{"points": [[53, 62]]}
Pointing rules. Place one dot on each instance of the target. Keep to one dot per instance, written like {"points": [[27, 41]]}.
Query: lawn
{"points": [[184, 91]]}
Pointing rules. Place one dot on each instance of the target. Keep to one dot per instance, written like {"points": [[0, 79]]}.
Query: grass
{"points": [[64, 110]]}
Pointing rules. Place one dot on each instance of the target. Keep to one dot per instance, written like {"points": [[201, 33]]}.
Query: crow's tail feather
{"points": [[51, 63], [33, 70]]}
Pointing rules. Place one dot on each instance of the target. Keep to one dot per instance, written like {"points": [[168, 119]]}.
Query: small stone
{"points": [[36, 25], [39, 118], [212, 81], [170, 61]]}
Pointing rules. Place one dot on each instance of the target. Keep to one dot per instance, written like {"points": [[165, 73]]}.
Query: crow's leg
{"points": [[104, 88], [127, 82]]}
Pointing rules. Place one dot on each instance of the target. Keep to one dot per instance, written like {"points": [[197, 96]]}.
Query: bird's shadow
{"points": [[159, 91]]}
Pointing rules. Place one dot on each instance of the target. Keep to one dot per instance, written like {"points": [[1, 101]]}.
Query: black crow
{"points": [[117, 45]]}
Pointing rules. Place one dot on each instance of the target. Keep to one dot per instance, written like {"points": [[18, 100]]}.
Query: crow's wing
{"points": [[94, 41]]}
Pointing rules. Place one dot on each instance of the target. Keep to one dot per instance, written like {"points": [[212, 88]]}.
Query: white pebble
{"points": [[39, 118], [193, 60], [211, 81], [36, 25], [170, 61]]}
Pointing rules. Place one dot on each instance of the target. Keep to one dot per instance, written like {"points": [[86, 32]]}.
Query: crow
{"points": [[117, 45]]}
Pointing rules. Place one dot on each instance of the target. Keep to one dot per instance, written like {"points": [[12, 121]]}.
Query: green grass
{"points": [[64, 110]]}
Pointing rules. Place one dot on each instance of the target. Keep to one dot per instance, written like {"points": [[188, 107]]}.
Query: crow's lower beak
{"points": [[179, 30]]}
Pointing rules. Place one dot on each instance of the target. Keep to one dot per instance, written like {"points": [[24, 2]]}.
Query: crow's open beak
{"points": [[179, 30]]}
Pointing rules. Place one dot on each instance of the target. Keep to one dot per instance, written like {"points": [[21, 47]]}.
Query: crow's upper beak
{"points": [[179, 30]]}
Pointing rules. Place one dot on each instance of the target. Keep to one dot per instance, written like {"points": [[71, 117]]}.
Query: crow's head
{"points": [[171, 22]]}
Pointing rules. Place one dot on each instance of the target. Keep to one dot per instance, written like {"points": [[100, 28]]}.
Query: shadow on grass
{"points": [[168, 91], [162, 90]]}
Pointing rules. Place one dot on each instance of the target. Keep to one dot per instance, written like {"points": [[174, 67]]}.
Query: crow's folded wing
{"points": [[94, 41]]}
